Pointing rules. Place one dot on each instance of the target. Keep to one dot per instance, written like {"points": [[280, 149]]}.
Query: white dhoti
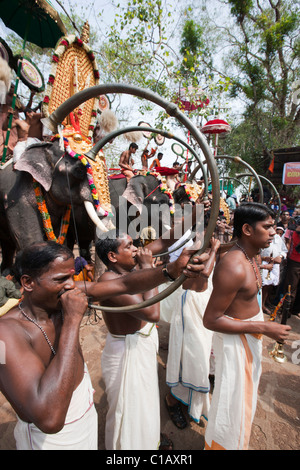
{"points": [[129, 369], [233, 405], [270, 278], [189, 354], [80, 431], [171, 303]]}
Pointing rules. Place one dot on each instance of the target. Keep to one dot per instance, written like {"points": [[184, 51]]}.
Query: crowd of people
{"points": [[46, 380], [216, 324], [278, 263]]}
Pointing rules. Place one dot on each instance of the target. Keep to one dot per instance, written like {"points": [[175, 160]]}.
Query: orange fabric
{"points": [[82, 276], [155, 163], [248, 391], [256, 335], [271, 166], [214, 446]]}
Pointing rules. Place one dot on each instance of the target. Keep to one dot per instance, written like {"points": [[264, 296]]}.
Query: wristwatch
{"points": [[166, 274]]}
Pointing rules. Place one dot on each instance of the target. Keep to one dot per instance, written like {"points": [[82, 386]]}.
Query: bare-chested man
{"points": [[126, 161], [129, 358], [22, 127], [42, 370], [145, 157], [35, 132], [233, 312], [30, 130]]}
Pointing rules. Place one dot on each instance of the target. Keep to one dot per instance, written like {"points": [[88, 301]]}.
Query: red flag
{"points": [[271, 166]]}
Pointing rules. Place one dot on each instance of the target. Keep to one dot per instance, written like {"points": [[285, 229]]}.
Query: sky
{"points": [[90, 13]]}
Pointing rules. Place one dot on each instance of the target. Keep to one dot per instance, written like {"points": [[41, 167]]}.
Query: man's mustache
{"points": [[61, 293]]}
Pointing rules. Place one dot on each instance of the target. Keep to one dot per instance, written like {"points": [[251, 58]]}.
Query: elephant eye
{"points": [[79, 171]]}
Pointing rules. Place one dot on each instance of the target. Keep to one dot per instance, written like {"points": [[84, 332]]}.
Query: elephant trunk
{"points": [[93, 216]]}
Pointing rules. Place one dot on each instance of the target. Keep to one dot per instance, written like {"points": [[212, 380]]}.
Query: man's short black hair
{"points": [[110, 241], [28, 110], [133, 145], [250, 213], [35, 259]]}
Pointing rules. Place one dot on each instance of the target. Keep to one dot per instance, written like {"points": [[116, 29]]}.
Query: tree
{"points": [[262, 38]]}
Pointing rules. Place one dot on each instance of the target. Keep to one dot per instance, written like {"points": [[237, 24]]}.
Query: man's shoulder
{"points": [[107, 275], [9, 323], [232, 263]]}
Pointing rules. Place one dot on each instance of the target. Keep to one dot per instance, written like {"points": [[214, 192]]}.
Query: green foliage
{"points": [[264, 65], [240, 8]]}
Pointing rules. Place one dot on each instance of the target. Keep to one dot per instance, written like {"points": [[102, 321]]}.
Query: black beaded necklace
{"points": [[40, 327]]}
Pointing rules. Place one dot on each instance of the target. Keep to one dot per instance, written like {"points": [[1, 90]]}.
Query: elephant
{"points": [[133, 204], [62, 179], [140, 204]]}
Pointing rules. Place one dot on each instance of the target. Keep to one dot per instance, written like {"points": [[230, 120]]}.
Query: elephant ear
{"points": [[134, 193], [37, 160]]}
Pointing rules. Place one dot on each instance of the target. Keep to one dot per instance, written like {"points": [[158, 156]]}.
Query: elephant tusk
{"points": [[93, 216]]}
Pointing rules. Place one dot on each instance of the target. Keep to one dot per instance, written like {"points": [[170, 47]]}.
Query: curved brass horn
{"points": [[238, 160], [172, 109], [272, 186], [102, 142]]}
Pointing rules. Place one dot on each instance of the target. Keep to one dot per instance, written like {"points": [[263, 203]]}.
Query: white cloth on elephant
{"points": [[129, 369], [234, 399], [18, 150], [188, 364], [22, 146], [80, 431], [276, 248]]}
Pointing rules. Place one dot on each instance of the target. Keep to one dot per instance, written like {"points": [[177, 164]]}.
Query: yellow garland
{"points": [[46, 217]]}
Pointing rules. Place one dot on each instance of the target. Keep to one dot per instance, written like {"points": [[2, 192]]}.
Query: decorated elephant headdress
{"points": [[74, 69]]}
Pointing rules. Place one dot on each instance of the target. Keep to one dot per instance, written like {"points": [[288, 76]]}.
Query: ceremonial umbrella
{"points": [[35, 21], [217, 127], [191, 98]]}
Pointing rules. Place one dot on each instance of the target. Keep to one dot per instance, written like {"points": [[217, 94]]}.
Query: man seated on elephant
{"points": [[145, 157], [156, 161], [22, 127], [35, 132], [42, 370], [126, 161], [30, 130]]}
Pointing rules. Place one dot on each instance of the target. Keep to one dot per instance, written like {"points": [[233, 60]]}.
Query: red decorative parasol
{"points": [[217, 127], [165, 171], [189, 99]]}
